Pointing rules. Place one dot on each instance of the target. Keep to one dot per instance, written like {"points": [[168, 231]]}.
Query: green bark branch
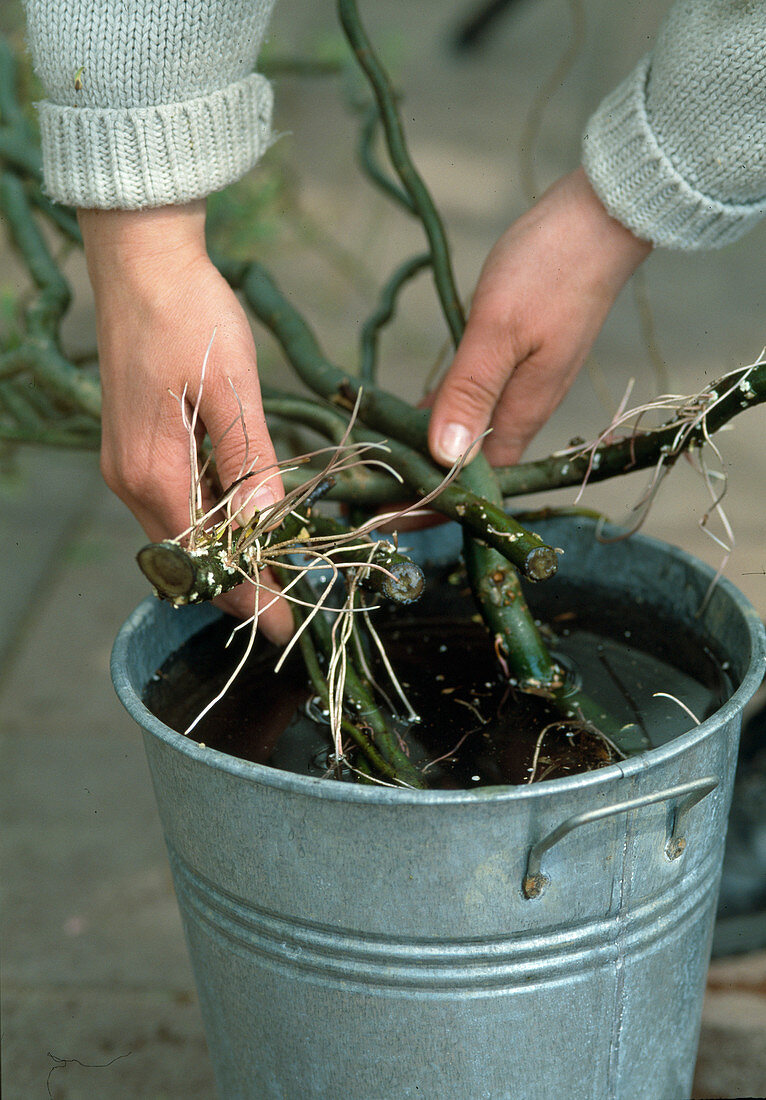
{"points": [[385, 311], [497, 591], [308, 643], [361, 703], [405, 169], [189, 575], [484, 520], [53, 301], [372, 168], [640, 451], [644, 449]]}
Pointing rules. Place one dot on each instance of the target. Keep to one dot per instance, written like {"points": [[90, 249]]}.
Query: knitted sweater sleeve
{"points": [[677, 153], [148, 102]]}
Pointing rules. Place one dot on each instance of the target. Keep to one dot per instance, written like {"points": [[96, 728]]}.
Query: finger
{"points": [[275, 618], [274, 615], [467, 397], [154, 480], [529, 398], [233, 413]]}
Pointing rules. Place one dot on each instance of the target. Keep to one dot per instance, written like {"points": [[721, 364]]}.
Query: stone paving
{"points": [[98, 998]]}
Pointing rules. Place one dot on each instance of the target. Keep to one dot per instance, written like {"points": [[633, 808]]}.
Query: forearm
{"points": [[165, 107], [678, 152]]}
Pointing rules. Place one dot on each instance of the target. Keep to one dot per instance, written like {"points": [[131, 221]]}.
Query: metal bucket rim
{"points": [[311, 786]]}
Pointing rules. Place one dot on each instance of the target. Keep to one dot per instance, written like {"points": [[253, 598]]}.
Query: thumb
{"points": [[465, 401]]}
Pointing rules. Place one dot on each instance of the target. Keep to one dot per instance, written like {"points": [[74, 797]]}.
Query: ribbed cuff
{"points": [[638, 184], [155, 156]]}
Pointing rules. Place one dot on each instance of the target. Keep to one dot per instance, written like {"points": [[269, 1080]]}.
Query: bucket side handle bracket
{"points": [[684, 796]]}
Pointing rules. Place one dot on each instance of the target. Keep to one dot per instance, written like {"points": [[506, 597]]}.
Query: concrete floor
{"points": [[98, 998]]}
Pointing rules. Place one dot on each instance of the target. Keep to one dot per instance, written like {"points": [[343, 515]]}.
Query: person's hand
{"points": [[159, 299], [542, 296]]}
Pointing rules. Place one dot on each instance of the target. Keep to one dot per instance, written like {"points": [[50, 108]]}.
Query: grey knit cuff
{"points": [[639, 186], [155, 156]]}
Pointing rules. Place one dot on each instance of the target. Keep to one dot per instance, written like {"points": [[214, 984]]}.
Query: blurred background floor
{"points": [[98, 998]]}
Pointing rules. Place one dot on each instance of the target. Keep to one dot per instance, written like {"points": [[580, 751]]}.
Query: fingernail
{"points": [[453, 441], [246, 503]]}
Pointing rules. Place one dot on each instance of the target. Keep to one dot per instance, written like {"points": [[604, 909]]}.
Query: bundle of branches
{"points": [[45, 397]]}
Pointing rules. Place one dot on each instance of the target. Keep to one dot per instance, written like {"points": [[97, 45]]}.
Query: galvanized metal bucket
{"points": [[541, 941]]}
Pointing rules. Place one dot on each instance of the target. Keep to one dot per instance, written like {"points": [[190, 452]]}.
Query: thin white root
{"points": [[681, 704]]}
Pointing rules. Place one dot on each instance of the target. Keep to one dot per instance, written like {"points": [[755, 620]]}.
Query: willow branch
{"points": [[53, 371], [483, 519], [40, 350], [62, 217], [382, 411], [45, 313], [307, 643], [362, 705], [641, 450], [405, 169], [498, 592], [385, 311], [10, 108], [390, 573], [17, 151], [478, 475], [188, 575], [363, 488], [323, 419], [369, 162]]}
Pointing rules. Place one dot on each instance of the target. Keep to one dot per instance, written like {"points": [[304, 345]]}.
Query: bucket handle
{"points": [[691, 793]]}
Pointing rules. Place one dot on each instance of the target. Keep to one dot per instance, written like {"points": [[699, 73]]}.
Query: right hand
{"points": [[544, 293], [159, 299]]}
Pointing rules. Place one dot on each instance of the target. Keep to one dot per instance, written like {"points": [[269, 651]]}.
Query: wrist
{"points": [[626, 250], [130, 246]]}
